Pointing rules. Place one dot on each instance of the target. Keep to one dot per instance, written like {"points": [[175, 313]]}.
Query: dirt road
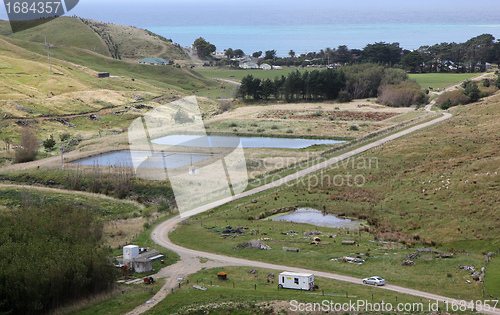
{"points": [[190, 264], [190, 258]]}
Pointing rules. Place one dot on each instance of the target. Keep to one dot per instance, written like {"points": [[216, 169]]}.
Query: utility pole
{"points": [[48, 52], [62, 156]]}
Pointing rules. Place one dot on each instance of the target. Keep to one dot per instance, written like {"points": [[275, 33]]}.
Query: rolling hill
{"points": [[118, 41], [30, 93]]}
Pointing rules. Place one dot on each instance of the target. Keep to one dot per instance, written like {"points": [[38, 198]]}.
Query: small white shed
{"points": [[297, 281], [130, 252]]}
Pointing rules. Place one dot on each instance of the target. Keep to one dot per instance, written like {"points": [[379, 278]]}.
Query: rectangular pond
{"points": [[126, 158], [318, 218], [246, 142]]}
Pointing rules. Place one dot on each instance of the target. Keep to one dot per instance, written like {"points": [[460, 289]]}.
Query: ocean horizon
{"points": [[285, 25], [309, 38]]}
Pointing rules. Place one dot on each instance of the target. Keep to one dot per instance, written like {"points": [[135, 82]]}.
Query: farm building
{"points": [[249, 65], [142, 265], [141, 261], [265, 66], [129, 252], [154, 61]]}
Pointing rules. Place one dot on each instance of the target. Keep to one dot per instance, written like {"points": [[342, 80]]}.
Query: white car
{"points": [[374, 281]]}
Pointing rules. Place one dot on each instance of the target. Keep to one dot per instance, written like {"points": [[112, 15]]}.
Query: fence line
{"points": [[486, 260]]}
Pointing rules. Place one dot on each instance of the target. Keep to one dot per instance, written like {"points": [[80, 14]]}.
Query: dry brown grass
{"points": [[120, 232]]}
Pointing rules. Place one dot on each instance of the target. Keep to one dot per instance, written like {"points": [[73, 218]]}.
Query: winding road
{"points": [[190, 258]]}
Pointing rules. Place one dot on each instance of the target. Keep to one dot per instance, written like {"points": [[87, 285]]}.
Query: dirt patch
{"points": [[327, 115]]}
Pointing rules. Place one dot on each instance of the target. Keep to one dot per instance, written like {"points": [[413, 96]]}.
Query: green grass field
{"points": [[441, 80], [61, 32], [103, 207], [124, 299], [492, 275], [247, 293], [433, 188]]}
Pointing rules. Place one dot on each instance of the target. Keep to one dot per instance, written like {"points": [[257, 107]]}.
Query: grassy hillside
{"points": [[436, 188], [33, 95], [131, 43], [59, 32], [117, 41]]}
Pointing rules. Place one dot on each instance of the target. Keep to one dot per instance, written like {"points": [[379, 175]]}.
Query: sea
{"points": [[300, 25]]}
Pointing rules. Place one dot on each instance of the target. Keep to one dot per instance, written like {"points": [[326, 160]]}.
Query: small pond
{"points": [[315, 217], [130, 158], [246, 142]]}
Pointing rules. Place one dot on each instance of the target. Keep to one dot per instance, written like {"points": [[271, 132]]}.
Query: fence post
{"points": [[255, 286]]}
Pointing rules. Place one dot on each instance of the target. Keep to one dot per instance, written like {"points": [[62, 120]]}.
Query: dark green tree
{"points": [[473, 92], [270, 54], [257, 54], [342, 55], [383, 53], [229, 53], [412, 62], [49, 144], [267, 88], [250, 86], [238, 53], [203, 48]]}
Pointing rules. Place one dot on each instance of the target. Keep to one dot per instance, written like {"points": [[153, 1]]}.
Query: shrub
{"points": [[446, 104], [181, 117], [123, 181], [354, 128], [486, 83], [49, 144], [225, 106], [456, 97], [289, 131], [233, 124], [344, 97], [65, 136], [497, 82], [404, 94], [261, 130], [318, 113], [488, 91], [472, 91], [274, 127], [56, 258], [29, 147]]}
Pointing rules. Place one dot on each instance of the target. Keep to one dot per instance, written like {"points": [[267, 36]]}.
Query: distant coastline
{"points": [[307, 38]]}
